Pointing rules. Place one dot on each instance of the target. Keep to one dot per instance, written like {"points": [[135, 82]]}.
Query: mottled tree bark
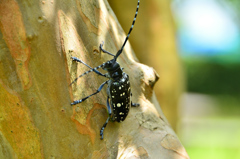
{"points": [[37, 39]]}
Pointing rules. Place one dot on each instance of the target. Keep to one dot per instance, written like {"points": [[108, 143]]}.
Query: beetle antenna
{"points": [[126, 39]]}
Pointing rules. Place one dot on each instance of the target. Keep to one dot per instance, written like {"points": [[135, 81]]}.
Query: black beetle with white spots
{"points": [[118, 90]]}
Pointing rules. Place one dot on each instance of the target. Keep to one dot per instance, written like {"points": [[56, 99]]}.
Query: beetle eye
{"points": [[108, 63], [115, 74]]}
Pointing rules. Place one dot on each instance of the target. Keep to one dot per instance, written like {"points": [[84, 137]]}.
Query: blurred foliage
{"points": [[208, 77], [235, 3], [213, 153]]}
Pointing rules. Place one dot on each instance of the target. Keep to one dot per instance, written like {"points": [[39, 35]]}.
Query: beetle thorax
{"points": [[114, 70]]}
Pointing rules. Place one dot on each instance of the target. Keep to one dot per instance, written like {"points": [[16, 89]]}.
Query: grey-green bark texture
{"points": [[37, 39]]}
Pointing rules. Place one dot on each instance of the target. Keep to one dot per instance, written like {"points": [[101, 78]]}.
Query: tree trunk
{"points": [[36, 119]]}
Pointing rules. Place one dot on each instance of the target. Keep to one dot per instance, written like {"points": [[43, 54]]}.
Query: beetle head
{"points": [[113, 69]]}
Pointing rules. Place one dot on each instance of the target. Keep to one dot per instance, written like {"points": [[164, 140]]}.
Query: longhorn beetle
{"points": [[118, 90]]}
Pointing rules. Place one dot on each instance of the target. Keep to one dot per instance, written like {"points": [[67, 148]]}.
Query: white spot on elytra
{"points": [[123, 93], [118, 105], [121, 113], [112, 96], [119, 88]]}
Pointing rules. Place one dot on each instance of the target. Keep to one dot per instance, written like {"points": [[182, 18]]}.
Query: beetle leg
{"points": [[109, 113], [104, 51], [104, 125], [108, 107], [94, 70], [135, 104], [81, 100]]}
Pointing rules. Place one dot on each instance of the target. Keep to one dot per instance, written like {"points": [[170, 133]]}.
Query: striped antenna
{"points": [[93, 69], [120, 51]]}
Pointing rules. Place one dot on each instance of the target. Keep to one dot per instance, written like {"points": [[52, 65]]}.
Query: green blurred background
{"points": [[208, 35], [194, 45]]}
